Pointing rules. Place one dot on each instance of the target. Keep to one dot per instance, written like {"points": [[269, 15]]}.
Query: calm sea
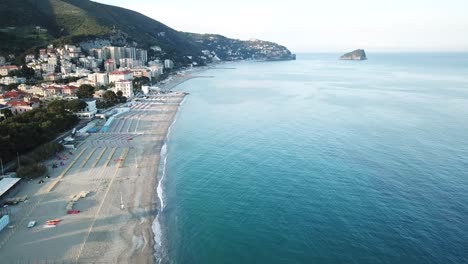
{"points": [[321, 161]]}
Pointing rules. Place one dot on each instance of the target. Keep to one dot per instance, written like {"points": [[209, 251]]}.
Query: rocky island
{"points": [[358, 54]]}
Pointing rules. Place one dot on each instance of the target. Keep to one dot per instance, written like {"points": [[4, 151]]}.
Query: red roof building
{"points": [[70, 90], [116, 76], [18, 107], [4, 70], [51, 90], [14, 94]]}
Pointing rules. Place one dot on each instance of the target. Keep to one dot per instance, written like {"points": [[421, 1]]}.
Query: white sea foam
{"points": [[160, 188], [157, 230]]}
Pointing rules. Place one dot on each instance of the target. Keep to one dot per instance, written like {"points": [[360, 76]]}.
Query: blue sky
{"points": [[328, 25]]}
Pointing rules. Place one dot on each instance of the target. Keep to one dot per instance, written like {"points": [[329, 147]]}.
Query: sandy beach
{"points": [[119, 170]]}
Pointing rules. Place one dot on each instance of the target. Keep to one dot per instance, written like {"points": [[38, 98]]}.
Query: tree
{"points": [[109, 97], [119, 94], [139, 81], [6, 113], [23, 71], [12, 86], [25, 131], [56, 106], [14, 73], [76, 105], [85, 91], [27, 72]]}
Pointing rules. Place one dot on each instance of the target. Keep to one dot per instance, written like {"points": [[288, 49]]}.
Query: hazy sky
{"points": [[328, 25]]}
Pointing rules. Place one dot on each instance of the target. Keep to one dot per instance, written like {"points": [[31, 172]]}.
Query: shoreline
{"points": [[156, 226], [146, 222]]}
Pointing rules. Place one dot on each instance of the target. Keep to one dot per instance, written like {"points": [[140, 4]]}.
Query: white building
{"points": [[7, 80], [126, 63], [4, 70], [18, 107], [116, 53], [12, 80], [142, 55], [34, 90], [99, 79], [125, 86], [81, 72], [110, 65], [72, 51], [89, 111], [99, 53], [120, 75], [142, 72], [30, 57], [52, 59], [156, 69], [130, 52], [81, 82], [67, 67], [48, 68], [168, 64], [145, 89]]}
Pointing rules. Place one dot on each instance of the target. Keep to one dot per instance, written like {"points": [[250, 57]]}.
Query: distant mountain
{"points": [[358, 54], [30, 24]]}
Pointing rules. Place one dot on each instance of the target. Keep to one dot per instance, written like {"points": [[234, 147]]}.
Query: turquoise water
{"points": [[321, 161]]}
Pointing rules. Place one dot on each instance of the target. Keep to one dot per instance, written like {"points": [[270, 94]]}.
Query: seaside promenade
{"points": [[118, 171]]}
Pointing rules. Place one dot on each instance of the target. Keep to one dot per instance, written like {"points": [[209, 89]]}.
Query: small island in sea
{"points": [[358, 54]]}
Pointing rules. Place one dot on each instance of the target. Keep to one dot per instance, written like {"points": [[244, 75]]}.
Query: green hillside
{"points": [[28, 24]]}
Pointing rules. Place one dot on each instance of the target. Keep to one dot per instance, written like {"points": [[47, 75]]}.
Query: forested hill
{"points": [[27, 24]]}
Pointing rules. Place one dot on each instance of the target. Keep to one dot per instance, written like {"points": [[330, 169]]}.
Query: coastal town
{"points": [[58, 72], [88, 185]]}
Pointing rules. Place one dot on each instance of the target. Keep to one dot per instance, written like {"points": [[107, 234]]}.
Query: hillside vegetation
{"points": [[28, 24]]}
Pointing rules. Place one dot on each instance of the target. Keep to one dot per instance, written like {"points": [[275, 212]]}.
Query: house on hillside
{"points": [[120, 75], [110, 65], [21, 106], [48, 67], [125, 86], [52, 77], [52, 90], [142, 72], [13, 94], [168, 64], [29, 58], [12, 80], [34, 90], [99, 79], [4, 70], [69, 90], [90, 110]]}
